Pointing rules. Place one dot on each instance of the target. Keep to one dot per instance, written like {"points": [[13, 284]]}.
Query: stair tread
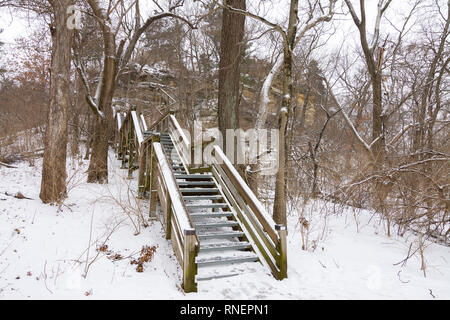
{"points": [[211, 197], [223, 245], [211, 214], [194, 176], [222, 234], [195, 183], [206, 206], [206, 190], [216, 224]]}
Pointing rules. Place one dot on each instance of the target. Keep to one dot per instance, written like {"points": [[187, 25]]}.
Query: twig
{"points": [[324, 266], [407, 256], [7, 165], [86, 268], [431, 292], [45, 277]]}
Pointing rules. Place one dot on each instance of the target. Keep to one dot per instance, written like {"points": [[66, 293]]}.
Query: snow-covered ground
{"points": [[44, 250]]}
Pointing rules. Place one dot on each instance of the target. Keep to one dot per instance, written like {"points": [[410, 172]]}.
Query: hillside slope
{"points": [[43, 250]]}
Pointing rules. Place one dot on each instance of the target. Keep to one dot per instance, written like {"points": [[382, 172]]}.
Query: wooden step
{"points": [[220, 235], [215, 224], [223, 246], [199, 190], [196, 183], [203, 262], [194, 198], [206, 206], [194, 176], [219, 214]]}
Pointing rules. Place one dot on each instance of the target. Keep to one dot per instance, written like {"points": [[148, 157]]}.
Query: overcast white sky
{"points": [[16, 25], [12, 25]]}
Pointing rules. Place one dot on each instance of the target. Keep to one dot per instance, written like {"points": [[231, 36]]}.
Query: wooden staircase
{"points": [[222, 241], [217, 226]]}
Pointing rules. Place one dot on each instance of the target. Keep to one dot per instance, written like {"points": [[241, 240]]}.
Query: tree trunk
{"points": [[75, 143], [53, 183], [231, 52], [279, 208], [89, 138], [98, 166], [377, 112]]}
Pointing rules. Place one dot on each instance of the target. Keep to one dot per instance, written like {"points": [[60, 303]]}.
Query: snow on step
{"points": [[194, 176], [195, 183], [211, 214], [194, 198], [222, 246], [216, 224], [234, 234], [206, 206], [201, 190], [224, 271]]}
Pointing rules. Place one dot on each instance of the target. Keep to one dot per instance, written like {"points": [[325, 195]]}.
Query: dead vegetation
{"points": [[146, 255]]}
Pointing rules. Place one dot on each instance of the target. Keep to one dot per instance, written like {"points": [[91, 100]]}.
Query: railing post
{"points": [[120, 148], [189, 265], [130, 149], [142, 169], [153, 181], [282, 249], [124, 145], [148, 166], [168, 216]]}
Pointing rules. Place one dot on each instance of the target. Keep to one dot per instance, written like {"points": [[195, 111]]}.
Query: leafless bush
{"points": [[128, 201]]}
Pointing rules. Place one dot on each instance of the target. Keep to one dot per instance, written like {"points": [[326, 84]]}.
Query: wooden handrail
{"points": [[144, 123], [137, 127], [183, 146], [172, 186], [185, 239], [269, 238], [248, 195], [157, 121]]}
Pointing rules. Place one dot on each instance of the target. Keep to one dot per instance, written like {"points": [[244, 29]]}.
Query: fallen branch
{"points": [[18, 195], [11, 158], [7, 165]]}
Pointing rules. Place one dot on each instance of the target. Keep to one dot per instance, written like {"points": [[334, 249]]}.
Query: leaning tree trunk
{"points": [[231, 52], [98, 165], [53, 183]]}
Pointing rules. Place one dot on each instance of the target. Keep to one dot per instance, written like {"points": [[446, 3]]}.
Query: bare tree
{"points": [[290, 38], [53, 184], [373, 55], [115, 58]]}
